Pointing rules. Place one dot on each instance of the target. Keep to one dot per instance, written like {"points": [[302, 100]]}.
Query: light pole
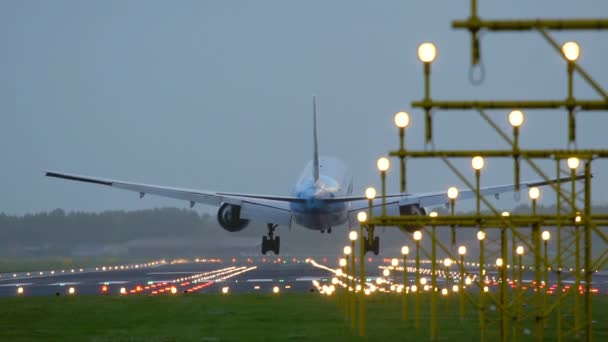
{"points": [[362, 218], [571, 51], [481, 236], [402, 120], [452, 195], [370, 194], [427, 52], [520, 265], [503, 301], [573, 164], [478, 163], [417, 237], [383, 164], [447, 262], [347, 252], [462, 250], [534, 194], [344, 267], [516, 118], [405, 250], [352, 236], [546, 235]]}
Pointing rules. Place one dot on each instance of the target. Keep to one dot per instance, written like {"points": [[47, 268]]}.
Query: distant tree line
{"points": [[60, 228]]}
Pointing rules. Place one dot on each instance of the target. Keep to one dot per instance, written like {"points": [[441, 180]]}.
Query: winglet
{"points": [[316, 145]]}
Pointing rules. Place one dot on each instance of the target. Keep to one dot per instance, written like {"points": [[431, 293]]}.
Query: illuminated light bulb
{"points": [[353, 235], [519, 250], [402, 119], [427, 52], [347, 250], [383, 164], [405, 250], [386, 272], [370, 193], [481, 235], [462, 250], [478, 163], [516, 118], [417, 235], [362, 216], [433, 214], [546, 235], [571, 51], [505, 214], [534, 193], [573, 163], [447, 262], [452, 192]]}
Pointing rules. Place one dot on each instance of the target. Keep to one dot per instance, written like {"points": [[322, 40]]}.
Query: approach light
{"points": [[447, 262], [422, 281], [505, 214], [123, 291], [571, 51], [467, 281], [370, 193], [342, 262], [413, 288], [347, 250], [499, 262], [417, 235], [173, 290], [353, 235], [481, 235], [20, 290], [225, 289], [573, 163], [519, 250], [394, 262], [402, 119], [546, 235], [383, 164], [275, 289], [455, 288], [452, 192], [444, 292], [405, 250], [386, 272], [462, 250], [433, 214], [71, 291], [427, 52], [362, 216], [477, 163], [516, 118], [534, 193]]}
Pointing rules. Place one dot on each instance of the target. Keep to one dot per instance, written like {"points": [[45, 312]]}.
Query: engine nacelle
{"points": [[412, 209], [229, 217]]}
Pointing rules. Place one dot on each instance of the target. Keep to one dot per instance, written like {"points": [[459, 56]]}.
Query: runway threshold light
{"points": [[20, 290], [427, 52], [71, 291], [275, 289], [123, 291], [225, 289], [571, 51]]}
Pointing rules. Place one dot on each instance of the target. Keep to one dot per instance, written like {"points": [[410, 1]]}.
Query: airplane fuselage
{"points": [[315, 212]]}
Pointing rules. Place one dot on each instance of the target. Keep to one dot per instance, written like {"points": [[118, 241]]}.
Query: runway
{"points": [[158, 278], [251, 275]]}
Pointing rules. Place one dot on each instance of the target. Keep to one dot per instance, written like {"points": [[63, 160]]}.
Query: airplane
{"points": [[321, 199]]}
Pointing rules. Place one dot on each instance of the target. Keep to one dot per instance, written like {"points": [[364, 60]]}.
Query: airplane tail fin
{"points": [[316, 144]]}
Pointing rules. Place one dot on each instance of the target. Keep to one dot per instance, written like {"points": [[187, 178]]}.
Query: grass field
{"points": [[243, 317]]}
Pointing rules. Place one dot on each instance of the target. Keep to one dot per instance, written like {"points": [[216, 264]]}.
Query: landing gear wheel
{"points": [[376, 246], [276, 245], [265, 246]]}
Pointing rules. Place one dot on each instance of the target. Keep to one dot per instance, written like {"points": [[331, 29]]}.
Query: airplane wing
{"points": [[439, 197], [274, 209]]}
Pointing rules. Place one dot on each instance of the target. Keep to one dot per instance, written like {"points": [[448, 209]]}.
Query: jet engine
{"points": [[229, 217], [412, 209]]}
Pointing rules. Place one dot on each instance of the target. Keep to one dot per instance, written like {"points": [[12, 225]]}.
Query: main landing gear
{"points": [[270, 242], [371, 243]]}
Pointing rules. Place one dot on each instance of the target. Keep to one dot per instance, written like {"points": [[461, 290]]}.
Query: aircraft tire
{"points": [[264, 245], [276, 245]]}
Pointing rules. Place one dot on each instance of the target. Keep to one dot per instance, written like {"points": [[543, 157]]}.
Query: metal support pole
{"points": [[347, 292], [383, 178], [402, 159], [405, 291], [477, 194], [353, 296], [538, 322], [362, 308], [452, 205], [461, 284], [427, 99], [503, 286], [577, 258], [588, 271], [570, 104], [417, 304], [433, 284], [558, 309], [482, 273]]}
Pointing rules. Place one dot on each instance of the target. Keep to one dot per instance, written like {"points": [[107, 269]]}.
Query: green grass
{"points": [[243, 317]]}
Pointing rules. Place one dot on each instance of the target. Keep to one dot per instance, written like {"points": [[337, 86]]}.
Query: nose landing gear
{"points": [[271, 242]]}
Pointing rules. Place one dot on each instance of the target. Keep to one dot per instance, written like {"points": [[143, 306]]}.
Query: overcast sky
{"points": [[216, 95]]}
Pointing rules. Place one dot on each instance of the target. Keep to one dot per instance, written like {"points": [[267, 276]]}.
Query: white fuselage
{"points": [[316, 213]]}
